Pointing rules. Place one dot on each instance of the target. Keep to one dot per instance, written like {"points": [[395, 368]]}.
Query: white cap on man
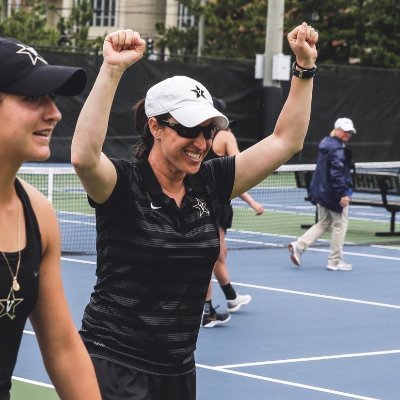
{"points": [[345, 124]]}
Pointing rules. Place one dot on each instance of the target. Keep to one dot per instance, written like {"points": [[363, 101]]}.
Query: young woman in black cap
{"points": [[157, 233], [30, 278]]}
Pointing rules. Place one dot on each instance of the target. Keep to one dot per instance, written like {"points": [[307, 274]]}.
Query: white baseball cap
{"points": [[186, 99], [345, 124]]}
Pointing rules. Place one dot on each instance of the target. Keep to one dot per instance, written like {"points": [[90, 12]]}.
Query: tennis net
{"points": [[286, 211]]}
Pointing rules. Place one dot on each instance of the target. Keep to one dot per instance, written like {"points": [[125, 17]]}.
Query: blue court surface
{"points": [[308, 334]]}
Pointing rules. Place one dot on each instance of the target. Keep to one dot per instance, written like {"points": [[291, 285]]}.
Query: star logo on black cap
{"points": [[199, 92], [31, 52]]}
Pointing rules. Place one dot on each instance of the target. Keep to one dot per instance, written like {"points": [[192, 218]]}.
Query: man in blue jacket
{"points": [[330, 189]]}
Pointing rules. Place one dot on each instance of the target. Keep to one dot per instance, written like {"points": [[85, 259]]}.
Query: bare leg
{"points": [[220, 268]]}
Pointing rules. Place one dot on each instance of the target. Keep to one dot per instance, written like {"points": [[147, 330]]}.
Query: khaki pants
{"points": [[328, 219]]}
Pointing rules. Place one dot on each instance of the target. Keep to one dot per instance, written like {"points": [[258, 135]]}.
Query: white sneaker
{"points": [[342, 266], [235, 304], [295, 253]]}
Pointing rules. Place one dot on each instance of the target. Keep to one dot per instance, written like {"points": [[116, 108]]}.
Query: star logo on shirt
{"points": [[31, 53], [7, 306], [201, 205], [199, 92]]}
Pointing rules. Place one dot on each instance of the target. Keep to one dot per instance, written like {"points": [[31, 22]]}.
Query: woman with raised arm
{"points": [[30, 245], [157, 233]]}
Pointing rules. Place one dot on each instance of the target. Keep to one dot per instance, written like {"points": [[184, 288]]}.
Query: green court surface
{"points": [[24, 391]]}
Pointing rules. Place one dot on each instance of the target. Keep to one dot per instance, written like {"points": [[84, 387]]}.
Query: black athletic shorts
{"points": [[225, 216], [121, 383]]}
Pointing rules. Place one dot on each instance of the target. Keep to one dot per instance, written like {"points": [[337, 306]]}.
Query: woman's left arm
{"points": [[64, 354], [260, 160]]}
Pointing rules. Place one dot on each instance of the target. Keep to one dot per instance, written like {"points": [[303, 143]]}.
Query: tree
{"points": [[364, 32], [381, 40], [334, 20], [28, 24], [178, 41], [75, 29], [234, 29]]}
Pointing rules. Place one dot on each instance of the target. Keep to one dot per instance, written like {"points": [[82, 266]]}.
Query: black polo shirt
{"points": [[154, 263]]}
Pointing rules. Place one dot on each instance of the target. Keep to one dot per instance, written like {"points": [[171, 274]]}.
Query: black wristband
{"points": [[304, 69], [303, 73]]}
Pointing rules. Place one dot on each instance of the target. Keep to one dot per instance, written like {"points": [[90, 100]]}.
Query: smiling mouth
{"points": [[194, 156], [44, 133]]}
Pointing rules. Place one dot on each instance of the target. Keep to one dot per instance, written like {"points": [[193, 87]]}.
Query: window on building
{"points": [[185, 20], [104, 12]]}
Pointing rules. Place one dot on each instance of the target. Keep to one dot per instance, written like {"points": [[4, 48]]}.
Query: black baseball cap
{"points": [[24, 72]]}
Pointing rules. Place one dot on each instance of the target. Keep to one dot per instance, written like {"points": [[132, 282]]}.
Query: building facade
{"points": [[109, 15]]}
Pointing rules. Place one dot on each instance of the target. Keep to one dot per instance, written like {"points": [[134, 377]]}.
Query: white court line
{"points": [[255, 242], [77, 260], [322, 296], [316, 249], [69, 221], [288, 383], [352, 253], [382, 246], [16, 378], [307, 359]]}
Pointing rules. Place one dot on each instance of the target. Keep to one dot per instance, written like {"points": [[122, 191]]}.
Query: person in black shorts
{"points": [[225, 144], [157, 228], [30, 276]]}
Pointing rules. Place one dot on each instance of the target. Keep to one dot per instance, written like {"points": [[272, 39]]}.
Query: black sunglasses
{"points": [[208, 131]]}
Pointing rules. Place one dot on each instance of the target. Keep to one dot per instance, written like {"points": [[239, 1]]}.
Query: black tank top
{"points": [[15, 307]]}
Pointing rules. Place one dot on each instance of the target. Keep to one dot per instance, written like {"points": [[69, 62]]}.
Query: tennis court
{"points": [[308, 333]]}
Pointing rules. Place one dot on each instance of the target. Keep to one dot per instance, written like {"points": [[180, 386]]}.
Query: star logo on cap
{"points": [[31, 52], [201, 205], [199, 92]]}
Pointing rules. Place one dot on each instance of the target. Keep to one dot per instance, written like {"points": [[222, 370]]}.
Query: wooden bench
{"points": [[380, 185]]}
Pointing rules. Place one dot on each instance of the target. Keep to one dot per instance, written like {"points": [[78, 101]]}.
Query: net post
{"points": [[50, 185]]}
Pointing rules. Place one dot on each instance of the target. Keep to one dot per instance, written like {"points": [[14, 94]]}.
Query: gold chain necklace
{"points": [[15, 285]]}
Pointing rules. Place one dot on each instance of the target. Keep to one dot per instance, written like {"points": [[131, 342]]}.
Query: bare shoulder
{"points": [[225, 143], [222, 141], [39, 201]]}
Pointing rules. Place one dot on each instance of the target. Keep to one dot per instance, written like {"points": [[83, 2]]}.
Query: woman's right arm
{"points": [[260, 160], [121, 49]]}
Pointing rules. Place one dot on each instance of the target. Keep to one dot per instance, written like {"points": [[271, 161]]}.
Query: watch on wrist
{"points": [[303, 73]]}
